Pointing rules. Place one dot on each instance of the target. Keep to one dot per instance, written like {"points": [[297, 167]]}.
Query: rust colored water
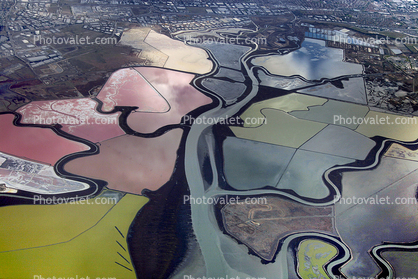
{"points": [[39, 144]]}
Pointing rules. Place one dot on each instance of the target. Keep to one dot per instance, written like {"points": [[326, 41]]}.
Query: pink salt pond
{"points": [[162, 96], [77, 117], [131, 164], [127, 87], [39, 144]]}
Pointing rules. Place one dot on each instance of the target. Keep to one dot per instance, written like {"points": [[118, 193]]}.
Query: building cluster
{"points": [[204, 23], [39, 56], [35, 16], [106, 27], [24, 19]]}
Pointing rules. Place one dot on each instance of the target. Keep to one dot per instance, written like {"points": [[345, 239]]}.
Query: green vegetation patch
{"points": [[312, 256]]}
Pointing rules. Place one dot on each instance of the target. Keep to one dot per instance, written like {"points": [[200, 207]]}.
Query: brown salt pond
{"points": [[130, 163], [77, 117], [127, 87], [39, 144]]}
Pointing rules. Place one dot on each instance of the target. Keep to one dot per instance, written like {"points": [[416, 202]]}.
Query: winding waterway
{"points": [[213, 243], [203, 221]]}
